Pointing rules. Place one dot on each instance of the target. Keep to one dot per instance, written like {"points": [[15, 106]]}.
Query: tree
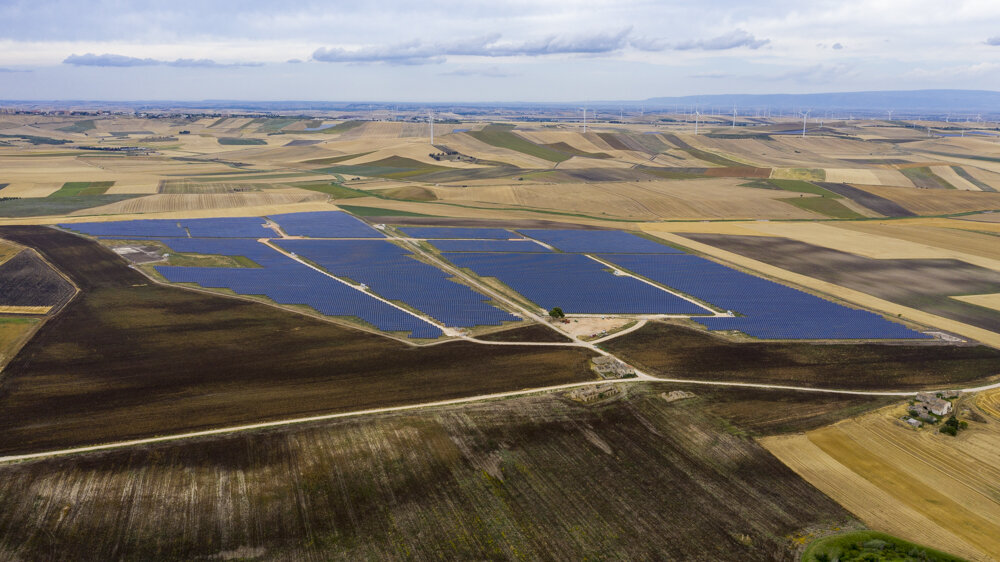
{"points": [[557, 313]]}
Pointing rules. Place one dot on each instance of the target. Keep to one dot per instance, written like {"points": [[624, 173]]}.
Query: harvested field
{"points": [[14, 332], [824, 206], [936, 201], [852, 175], [27, 281], [674, 351], [165, 202], [923, 177], [879, 204], [532, 333], [58, 205], [959, 244], [991, 301], [536, 478], [925, 284], [502, 137], [957, 178], [108, 367], [921, 485]]}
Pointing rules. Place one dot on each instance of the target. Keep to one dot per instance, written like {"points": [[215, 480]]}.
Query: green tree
{"points": [[557, 313]]}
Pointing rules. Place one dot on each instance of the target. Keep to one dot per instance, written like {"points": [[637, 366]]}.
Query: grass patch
{"points": [[79, 126], [203, 260], [563, 147], [83, 188], [272, 125], [35, 139], [47, 206], [799, 186], [804, 174], [871, 546], [239, 141], [406, 193], [334, 159], [379, 212], [393, 167], [502, 137], [333, 189], [824, 206], [922, 176], [339, 127]]}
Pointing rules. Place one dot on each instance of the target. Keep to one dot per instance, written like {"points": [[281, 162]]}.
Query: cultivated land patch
{"points": [[674, 351], [544, 477], [502, 137], [79, 188], [988, 301], [924, 284], [879, 204], [920, 485], [51, 206], [27, 281], [108, 367]]}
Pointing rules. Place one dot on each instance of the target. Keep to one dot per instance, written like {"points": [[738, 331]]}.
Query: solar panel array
{"points": [[434, 232], [287, 281], [770, 310], [599, 242], [575, 283], [394, 274], [232, 227], [325, 224], [508, 246]]}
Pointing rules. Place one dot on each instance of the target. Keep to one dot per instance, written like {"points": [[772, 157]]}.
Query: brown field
{"points": [[920, 485], [534, 478], [919, 283], [674, 351], [937, 201], [120, 360]]}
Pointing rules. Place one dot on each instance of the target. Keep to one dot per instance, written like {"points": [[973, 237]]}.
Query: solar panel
{"points": [[769, 310], [394, 274], [147, 227], [575, 283], [508, 246], [325, 224], [598, 242], [230, 227], [434, 232]]}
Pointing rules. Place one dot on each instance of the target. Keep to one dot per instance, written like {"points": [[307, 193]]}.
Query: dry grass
{"points": [[988, 301], [951, 176], [25, 309], [919, 485], [852, 175], [927, 241], [937, 201], [163, 203], [14, 332]]}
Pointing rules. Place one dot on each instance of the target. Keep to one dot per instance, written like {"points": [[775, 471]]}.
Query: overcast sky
{"points": [[489, 51]]}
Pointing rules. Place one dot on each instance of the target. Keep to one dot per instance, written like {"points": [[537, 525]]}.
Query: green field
{"points": [[83, 188], [46, 206], [339, 127], [871, 546], [824, 206], [333, 189], [377, 212], [80, 126], [922, 176], [393, 167], [272, 125], [35, 139], [238, 141], [502, 137]]}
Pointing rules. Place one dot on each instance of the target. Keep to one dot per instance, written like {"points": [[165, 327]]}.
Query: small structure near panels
{"points": [[611, 368]]}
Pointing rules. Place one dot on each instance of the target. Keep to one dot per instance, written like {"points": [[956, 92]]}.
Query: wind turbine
{"points": [[584, 119], [805, 116], [890, 114], [734, 117], [697, 114], [430, 119]]}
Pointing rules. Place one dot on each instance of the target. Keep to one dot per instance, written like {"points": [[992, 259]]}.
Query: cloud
{"points": [[122, 61], [418, 52], [818, 73], [713, 75], [837, 46], [732, 40], [994, 41], [293, 61]]}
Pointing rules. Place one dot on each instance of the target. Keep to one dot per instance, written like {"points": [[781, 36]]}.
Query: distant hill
{"points": [[981, 101]]}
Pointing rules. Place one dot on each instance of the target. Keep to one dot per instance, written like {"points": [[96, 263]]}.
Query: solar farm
{"points": [[342, 267]]}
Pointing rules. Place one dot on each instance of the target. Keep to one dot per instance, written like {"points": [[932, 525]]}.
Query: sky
{"points": [[503, 50]]}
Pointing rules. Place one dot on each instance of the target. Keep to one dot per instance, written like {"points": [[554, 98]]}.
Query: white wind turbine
{"points": [[734, 117], [430, 119], [584, 119], [805, 117], [697, 115]]}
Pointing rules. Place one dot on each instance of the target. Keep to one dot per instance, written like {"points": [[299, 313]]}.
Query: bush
{"points": [[557, 313]]}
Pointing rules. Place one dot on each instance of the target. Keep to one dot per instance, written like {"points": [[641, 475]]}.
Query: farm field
{"points": [[676, 351], [261, 359], [534, 477], [919, 485]]}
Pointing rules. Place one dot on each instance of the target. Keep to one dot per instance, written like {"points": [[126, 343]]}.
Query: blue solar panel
{"points": [[287, 281], [394, 274], [599, 242], [770, 310], [509, 246], [149, 227], [234, 227], [432, 232], [325, 224], [575, 283]]}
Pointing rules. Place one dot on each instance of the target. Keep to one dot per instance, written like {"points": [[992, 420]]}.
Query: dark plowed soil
{"points": [[880, 205], [532, 333], [26, 280]]}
